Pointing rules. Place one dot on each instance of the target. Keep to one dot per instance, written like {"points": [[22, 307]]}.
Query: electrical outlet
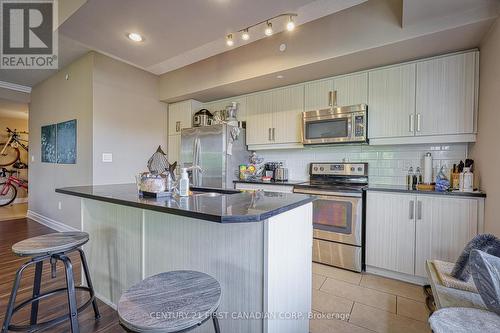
{"points": [[107, 157], [59, 205], [32, 158]]}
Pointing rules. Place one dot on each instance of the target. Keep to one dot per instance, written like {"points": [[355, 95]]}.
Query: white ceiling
{"points": [[178, 33]]}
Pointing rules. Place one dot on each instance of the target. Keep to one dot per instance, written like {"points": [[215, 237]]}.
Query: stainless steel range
{"points": [[338, 213]]}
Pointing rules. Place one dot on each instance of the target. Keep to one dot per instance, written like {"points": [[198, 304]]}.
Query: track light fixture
{"points": [[229, 40], [268, 31]]}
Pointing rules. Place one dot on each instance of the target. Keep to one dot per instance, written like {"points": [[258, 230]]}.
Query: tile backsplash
{"points": [[386, 164]]}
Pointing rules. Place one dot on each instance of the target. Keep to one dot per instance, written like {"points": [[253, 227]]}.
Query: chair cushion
{"points": [[464, 320], [50, 243], [485, 270]]}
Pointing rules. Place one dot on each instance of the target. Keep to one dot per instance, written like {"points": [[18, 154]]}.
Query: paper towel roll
{"points": [[428, 168]]}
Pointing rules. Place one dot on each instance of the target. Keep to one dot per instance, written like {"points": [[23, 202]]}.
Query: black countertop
{"points": [[276, 182], [404, 189], [224, 208]]}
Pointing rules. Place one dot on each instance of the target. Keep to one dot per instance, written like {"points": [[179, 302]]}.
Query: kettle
{"points": [[202, 118]]}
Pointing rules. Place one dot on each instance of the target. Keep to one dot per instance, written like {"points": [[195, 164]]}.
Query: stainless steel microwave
{"points": [[347, 124]]}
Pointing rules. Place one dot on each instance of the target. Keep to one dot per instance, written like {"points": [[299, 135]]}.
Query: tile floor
{"points": [[12, 212], [365, 303]]}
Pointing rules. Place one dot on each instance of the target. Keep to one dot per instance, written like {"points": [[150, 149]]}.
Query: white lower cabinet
{"points": [[405, 230]]}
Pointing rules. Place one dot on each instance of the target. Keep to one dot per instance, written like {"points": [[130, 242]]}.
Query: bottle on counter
{"points": [[184, 183], [467, 178], [409, 178], [418, 173]]}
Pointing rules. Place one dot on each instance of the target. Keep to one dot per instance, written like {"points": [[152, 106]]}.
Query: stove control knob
{"points": [[315, 168], [352, 169], [322, 169], [360, 169]]}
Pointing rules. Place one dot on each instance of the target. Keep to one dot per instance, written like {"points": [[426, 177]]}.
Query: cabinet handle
{"points": [[419, 210], [419, 118], [269, 135], [274, 132], [412, 210], [412, 123], [178, 126], [332, 98]]}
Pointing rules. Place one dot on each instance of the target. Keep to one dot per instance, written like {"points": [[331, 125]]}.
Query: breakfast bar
{"points": [[258, 245]]}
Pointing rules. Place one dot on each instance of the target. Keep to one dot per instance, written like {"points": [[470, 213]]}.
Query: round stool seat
{"points": [[169, 302], [50, 243], [464, 320]]}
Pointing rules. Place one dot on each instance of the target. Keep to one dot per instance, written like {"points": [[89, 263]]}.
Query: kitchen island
{"points": [[258, 245]]}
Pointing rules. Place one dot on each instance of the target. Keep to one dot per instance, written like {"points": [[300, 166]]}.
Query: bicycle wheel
{"points": [[9, 196], [9, 156]]}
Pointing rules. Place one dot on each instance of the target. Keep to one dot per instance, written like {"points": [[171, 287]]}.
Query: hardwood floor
{"points": [[12, 231]]}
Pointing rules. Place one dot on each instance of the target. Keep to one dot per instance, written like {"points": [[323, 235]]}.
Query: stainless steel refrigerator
{"points": [[217, 151]]}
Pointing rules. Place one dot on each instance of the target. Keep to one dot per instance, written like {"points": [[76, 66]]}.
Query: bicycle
{"points": [[8, 191], [9, 151]]}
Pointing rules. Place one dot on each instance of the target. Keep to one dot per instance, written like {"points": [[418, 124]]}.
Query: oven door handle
{"points": [[328, 193]]}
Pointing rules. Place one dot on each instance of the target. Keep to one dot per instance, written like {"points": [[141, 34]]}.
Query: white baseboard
{"points": [[48, 222]]}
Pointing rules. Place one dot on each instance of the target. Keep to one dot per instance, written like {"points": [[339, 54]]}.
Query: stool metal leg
{"points": [[89, 283], [216, 323], [73, 309], [36, 292], [12, 299]]}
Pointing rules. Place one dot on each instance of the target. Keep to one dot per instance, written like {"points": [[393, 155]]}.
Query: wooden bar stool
{"points": [[176, 301], [52, 247]]}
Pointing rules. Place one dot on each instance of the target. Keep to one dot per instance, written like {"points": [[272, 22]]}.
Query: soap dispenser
{"points": [[184, 183]]}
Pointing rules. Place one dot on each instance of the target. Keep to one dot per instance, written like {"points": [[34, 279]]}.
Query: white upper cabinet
{"points": [[318, 95], [351, 89], [391, 105], [180, 115], [288, 105], [260, 118], [446, 95], [443, 227]]}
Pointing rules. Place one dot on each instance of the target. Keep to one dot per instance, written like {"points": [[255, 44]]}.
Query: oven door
{"points": [[337, 217], [335, 128]]}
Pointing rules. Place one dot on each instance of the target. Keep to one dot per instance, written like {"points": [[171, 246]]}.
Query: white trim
{"points": [[397, 276], [48, 222], [15, 87]]}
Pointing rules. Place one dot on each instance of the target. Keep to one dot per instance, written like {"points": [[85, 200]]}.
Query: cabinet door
{"points": [[390, 231], [259, 118], [443, 228], [391, 106], [174, 145], [446, 95], [317, 95], [351, 89], [288, 105], [179, 116]]}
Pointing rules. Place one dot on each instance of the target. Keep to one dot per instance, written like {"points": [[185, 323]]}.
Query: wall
{"points": [[20, 124], [485, 151], [129, 120], [118, 111], [386, 164], [55, 100]]}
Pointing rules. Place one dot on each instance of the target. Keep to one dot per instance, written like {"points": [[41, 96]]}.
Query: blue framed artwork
{"points": [[58, 143], [48, 143], [66, 142]]}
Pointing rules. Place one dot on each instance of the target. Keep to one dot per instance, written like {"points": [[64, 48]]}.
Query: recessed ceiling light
{"points": [[134, 36]]}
